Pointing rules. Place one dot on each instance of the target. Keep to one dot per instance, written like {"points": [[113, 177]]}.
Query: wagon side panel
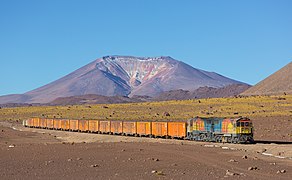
{"points": [[144, 128], [116, 127], [177, 129], [130, 128], [104, 126], [74, 125]]}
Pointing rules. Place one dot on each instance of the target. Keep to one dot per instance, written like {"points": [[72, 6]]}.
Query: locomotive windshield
{"points": [[243, 124]]}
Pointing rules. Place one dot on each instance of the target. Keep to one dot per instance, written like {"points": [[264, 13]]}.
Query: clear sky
{"points": [[43, 40]]}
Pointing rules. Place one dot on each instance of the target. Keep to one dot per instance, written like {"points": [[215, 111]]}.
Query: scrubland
{"points": [[255, 106]]}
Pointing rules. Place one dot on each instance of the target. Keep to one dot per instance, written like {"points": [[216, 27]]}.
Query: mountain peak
{"points": [[135, 70], [133, 58], [127, 76]]}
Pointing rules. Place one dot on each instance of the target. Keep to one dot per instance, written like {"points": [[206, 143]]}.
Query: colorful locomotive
{"points": [[238, 130]]}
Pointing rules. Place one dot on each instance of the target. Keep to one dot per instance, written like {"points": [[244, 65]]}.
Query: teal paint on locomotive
{"points": [[219, 130]]}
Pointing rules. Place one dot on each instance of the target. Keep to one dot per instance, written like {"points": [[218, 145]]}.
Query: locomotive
{"points": [[230, 130], [236, 130]]}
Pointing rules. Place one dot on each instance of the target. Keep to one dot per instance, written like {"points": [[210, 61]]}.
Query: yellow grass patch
{"points": [[178, 110]]}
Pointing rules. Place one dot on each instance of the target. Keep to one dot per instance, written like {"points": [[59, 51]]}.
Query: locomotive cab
{"points": [[244, 130], [244, 126]]}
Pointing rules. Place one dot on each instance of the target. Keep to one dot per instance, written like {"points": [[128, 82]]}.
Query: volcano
{"points": [[124, 76]]}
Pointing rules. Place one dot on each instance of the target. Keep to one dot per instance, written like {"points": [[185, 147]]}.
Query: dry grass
{"points": [[178, 110]]}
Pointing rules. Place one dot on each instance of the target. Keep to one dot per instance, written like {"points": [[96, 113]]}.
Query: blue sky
{"points": [[41, 41]]}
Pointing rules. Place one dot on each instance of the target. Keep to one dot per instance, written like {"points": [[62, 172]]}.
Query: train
{"points": [[225, 130]]}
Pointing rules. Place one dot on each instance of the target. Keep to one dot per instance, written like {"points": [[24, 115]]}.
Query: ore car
{"points": [[177, 129], [105, 127], [93, 126], [144, 129], [83, 125], [130, 128], [159, 129], [116, 127]]}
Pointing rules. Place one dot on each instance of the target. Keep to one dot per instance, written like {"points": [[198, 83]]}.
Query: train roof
{"points": [[222, 118]]}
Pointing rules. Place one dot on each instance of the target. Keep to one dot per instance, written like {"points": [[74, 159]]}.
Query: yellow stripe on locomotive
{"points": [[239, 130]]}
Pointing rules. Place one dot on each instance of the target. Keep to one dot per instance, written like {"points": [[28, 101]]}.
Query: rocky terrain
{"points": [[124, 76]]}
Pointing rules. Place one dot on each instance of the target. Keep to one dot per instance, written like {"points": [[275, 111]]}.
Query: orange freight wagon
{"points": [[65, 124], [144, 128], [159, 129], [105, 126], [50, 123], [29, 122], [93, 125], [43, 123], [129, 128], [36, 122], [57, 124], [62, 124], [177, 129], [116, 127], [74, 125], [83, 125]]}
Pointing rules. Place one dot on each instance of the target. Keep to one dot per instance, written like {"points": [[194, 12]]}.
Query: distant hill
{"points": [[203, 92], [124, 76], [278, 83], [93, 99]]}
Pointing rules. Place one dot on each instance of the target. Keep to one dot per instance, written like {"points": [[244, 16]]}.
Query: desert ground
{"points": [[28, 153]]}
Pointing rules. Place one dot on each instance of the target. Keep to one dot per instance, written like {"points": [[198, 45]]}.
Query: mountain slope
{"points": [[278, 83], [93, 99], [203, 92], [125, 76]]}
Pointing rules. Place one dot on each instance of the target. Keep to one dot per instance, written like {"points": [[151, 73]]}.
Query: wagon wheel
{"points": [[235, 141]]}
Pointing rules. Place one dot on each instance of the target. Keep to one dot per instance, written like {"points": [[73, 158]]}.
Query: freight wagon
{"points": [[159, 129], [116, 127], [35, 122], [65, 124], [83, 126], [57, 124], [232, 130], [93, 126], [105, 127], [177, 129], [50, 124], [144, 129], [74, 125], [43, 123], [130, 128]]}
